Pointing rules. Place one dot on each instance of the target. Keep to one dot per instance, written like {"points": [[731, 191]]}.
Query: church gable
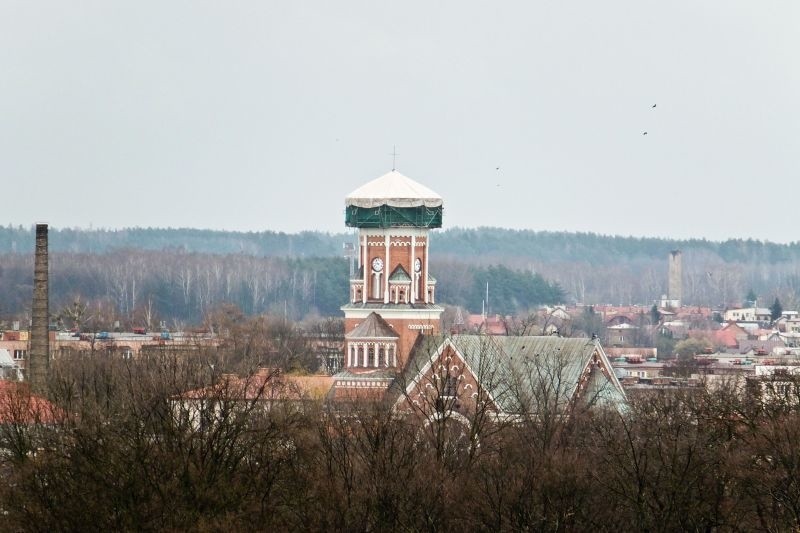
{"points": [[516, 376], [598, 384], [439, 379]]}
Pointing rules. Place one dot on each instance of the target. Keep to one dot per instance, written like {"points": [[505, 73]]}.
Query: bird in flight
{"points": [[653, 105], [498, 168], [645, 133]]}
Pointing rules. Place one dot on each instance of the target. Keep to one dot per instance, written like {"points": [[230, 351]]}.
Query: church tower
{"points": [[393, 293]]}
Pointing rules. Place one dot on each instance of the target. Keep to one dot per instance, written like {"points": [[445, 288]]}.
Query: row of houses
{"points": [[15, 344]]}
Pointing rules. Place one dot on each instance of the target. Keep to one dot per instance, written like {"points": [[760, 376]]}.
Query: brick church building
{"points": [[395, 349], [393, 293]]}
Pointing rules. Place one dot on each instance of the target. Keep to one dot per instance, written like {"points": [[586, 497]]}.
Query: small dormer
{"points": [[431, 289], [357, 286], [399, 285]]}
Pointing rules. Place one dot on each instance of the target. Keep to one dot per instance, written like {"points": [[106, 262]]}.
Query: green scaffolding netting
{"points": [[386, 216]]}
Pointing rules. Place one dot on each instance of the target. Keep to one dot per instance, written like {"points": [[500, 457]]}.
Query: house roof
{"points": [[395, 190], [19, 406], [517, 371], [745, 345], [265, 384], [373, 327], [491, 325], [729, 335]]}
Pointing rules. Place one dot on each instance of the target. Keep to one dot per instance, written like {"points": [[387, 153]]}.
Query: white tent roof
{"points": [[395, 190]]}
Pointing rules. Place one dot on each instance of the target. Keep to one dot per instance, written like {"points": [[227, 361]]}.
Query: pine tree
{"points": [[776, 310], [655, 314]]}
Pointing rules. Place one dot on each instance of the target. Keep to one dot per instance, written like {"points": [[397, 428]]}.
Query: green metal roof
{"points": [[400, 275], [527, 374]]}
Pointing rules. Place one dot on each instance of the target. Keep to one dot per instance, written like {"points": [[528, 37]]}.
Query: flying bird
{"points": [[498, 168], [653, 105], [645, 133]]}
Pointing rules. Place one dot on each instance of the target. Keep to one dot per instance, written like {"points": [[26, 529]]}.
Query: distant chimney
{"points": [[39, 355], [675, 285]]}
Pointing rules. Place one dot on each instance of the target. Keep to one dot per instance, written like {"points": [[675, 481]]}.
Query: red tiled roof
{"points": [[19, 406], [729, 335], [265, 384], [491, 325]]}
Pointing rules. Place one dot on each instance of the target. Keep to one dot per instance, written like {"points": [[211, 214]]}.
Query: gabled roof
{"points": [[518, 372], [373, 327], [393, 189], [399, 275], [19, 406], [733, 326]]}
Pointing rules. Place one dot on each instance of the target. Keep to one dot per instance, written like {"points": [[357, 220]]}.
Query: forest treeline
{"points": [[180, 273], [484, 242], [142, 288], [138, 454]]}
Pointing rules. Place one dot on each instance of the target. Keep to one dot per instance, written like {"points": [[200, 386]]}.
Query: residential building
{"points": [[748, 314]]}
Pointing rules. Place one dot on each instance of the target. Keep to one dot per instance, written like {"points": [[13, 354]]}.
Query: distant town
{"points": [[226, 391]]}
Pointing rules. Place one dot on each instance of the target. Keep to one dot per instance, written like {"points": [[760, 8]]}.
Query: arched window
{"points": [[371, 355], [382, 357], [450, 386], [377, 289]]}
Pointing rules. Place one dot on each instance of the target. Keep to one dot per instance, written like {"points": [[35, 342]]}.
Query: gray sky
{"points": [[264, 115]]}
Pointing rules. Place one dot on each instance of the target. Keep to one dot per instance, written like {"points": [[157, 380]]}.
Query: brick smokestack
{"points": [[39, 355], [675, 286]]}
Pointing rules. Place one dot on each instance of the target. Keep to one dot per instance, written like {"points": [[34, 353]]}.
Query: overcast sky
{"points": [[264, 115]]}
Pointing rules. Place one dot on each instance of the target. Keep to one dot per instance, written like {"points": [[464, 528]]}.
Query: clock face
{"points": [[377, 264], [417, 265]]}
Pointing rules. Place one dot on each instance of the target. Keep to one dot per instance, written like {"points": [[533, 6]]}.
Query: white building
{"points": [[748, 314]]}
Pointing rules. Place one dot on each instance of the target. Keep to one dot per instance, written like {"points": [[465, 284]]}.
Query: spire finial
{"points": [[394, 157]]}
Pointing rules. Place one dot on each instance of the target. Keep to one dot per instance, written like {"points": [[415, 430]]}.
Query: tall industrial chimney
{"points": [[675, 284], [39, 354]]}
